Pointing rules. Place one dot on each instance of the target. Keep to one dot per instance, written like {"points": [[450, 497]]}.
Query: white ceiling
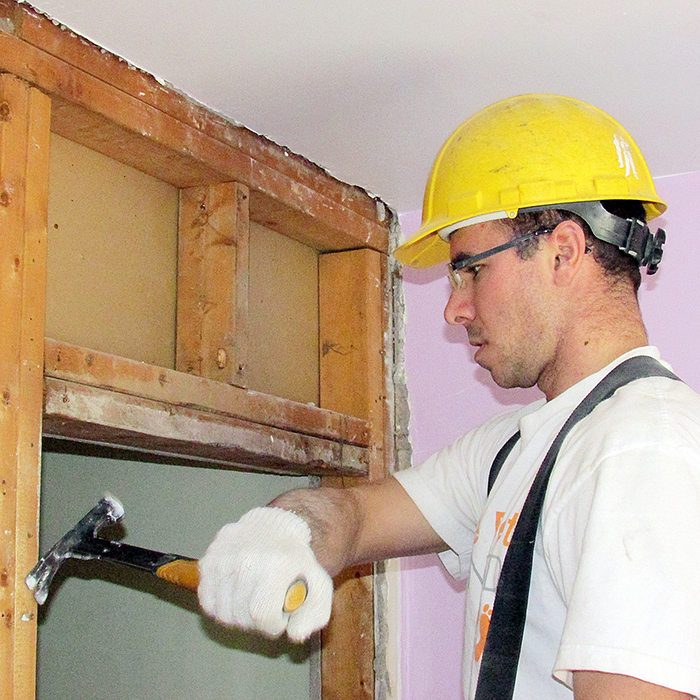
{"points": [[369, 89]]}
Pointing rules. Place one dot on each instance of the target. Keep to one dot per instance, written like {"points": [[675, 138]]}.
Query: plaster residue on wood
{"points": [[387, 583], [402, 412]]}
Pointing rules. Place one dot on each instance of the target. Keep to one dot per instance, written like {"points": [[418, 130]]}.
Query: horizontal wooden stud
{"points": [[38, 30], [124, 376], [103, 417], [122, 126]]}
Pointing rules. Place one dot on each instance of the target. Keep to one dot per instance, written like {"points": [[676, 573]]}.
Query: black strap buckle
{"points": [[642, 244]]}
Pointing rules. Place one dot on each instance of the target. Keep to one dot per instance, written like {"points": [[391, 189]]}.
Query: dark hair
{"points": [[616, 264]]}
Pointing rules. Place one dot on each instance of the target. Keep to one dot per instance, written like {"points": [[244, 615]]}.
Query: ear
{"points": [[567, 252]]}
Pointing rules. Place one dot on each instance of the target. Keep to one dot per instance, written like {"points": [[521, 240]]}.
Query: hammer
{"points": [[82, 542]]}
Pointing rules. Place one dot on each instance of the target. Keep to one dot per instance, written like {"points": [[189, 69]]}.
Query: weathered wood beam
{"points": [[122, 126], [354, 380], [104, 417], [35, 28], [212, 288], [123, 376], [25, 115], [353, 301]]}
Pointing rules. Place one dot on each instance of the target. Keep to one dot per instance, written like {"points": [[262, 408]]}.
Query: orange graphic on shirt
{"points": [[504, 528], [484, 622], [503, 534]]}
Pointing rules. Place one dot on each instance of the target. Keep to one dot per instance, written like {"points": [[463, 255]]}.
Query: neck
{"points": [[599, 335]]}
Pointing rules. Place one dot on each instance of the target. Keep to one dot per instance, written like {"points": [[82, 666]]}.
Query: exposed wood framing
{"points": [[100, 370], [24, 156], [212, 303], [35, 29], [353, 323], [103, 417], [95, 99]]}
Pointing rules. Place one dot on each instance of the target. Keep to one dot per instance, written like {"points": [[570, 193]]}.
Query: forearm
{"points": [[592, 685], [360, 524], [306, 535]]}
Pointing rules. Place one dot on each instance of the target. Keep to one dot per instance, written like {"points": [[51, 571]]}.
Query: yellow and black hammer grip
{"points": [[185, 572]]}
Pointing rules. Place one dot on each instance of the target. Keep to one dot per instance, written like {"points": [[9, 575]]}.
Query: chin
{"points": [[504, 382], [511, 378]]}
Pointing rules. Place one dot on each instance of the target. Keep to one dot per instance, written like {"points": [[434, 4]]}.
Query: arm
{"points": [[593, 685], [361, 524], [305, 536]]}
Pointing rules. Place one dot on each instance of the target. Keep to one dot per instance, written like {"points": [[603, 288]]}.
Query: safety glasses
{"points": [[457, 268]]}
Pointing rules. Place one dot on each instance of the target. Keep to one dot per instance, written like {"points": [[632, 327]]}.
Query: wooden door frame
{"points": [[54, 80]]}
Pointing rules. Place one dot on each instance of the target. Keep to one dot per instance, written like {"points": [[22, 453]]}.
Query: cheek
{"points": [[530, 315], [496, 303], [512, 312]]}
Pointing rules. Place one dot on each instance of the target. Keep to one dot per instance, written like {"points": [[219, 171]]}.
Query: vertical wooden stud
{"points": [[25, 115], [353, 322], [212, 294]]}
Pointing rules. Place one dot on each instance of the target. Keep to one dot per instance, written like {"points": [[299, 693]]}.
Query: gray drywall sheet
{"points": [[107, 632]]}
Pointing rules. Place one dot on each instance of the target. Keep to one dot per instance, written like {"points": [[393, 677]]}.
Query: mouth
{"points": [[479, 348], [475, 340]]}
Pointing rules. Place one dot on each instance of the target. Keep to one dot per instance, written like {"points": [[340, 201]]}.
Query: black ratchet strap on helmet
{"points": [[631, 236]]}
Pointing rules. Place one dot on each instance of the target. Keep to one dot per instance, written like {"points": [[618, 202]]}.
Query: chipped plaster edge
{"points": [[387, 579]]}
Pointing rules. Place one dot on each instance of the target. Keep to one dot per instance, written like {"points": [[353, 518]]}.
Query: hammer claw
{"points": [[107, 511]]}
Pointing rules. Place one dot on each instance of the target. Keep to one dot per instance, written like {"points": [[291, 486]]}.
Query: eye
{"points": [[473, 270], [457, 278]]}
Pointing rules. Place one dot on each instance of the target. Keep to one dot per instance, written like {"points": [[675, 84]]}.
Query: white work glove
{"points": [[247, 570]]}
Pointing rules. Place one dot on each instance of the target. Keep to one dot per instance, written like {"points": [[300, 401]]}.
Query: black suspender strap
{"points": [[499, 664], [500, 459]]}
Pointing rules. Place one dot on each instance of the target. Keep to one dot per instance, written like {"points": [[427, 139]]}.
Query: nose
{"points": [[459, 309]]}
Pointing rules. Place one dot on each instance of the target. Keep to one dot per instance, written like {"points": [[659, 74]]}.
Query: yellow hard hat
{"points": [[526, 151]]}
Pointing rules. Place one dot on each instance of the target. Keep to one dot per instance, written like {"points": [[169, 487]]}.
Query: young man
{"points": [[539, 203]]}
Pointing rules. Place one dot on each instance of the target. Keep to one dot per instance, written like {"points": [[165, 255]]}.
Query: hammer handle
{"points": [[185, 573], [181, 571]]}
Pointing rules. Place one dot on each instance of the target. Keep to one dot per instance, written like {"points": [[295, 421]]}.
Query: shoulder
{"points": [[648, 411], [483, 442], [462, 467], [648, 427]]}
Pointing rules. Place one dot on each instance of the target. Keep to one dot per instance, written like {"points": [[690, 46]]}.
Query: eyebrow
{"points": [[462, 260], [460, 257]]}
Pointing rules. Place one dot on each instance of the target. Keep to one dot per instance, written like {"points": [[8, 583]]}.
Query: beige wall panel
{"points": [[283, 317], [112, 256]]}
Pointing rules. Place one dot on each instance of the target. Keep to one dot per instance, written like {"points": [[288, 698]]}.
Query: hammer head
{"points": [[106, 512]]}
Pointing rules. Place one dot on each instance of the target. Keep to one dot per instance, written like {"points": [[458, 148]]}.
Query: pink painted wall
{"points": [[449, 394]]}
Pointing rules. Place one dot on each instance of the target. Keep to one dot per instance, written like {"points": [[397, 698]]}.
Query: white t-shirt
{"points": [[616, 572]]}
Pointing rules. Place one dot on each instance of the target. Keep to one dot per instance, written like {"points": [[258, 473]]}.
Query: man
{"points": [[539, 203]]}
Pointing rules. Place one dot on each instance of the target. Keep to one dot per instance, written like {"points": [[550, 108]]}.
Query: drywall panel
{"points": [[283, 317], [112, 256], [106, 630]]}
